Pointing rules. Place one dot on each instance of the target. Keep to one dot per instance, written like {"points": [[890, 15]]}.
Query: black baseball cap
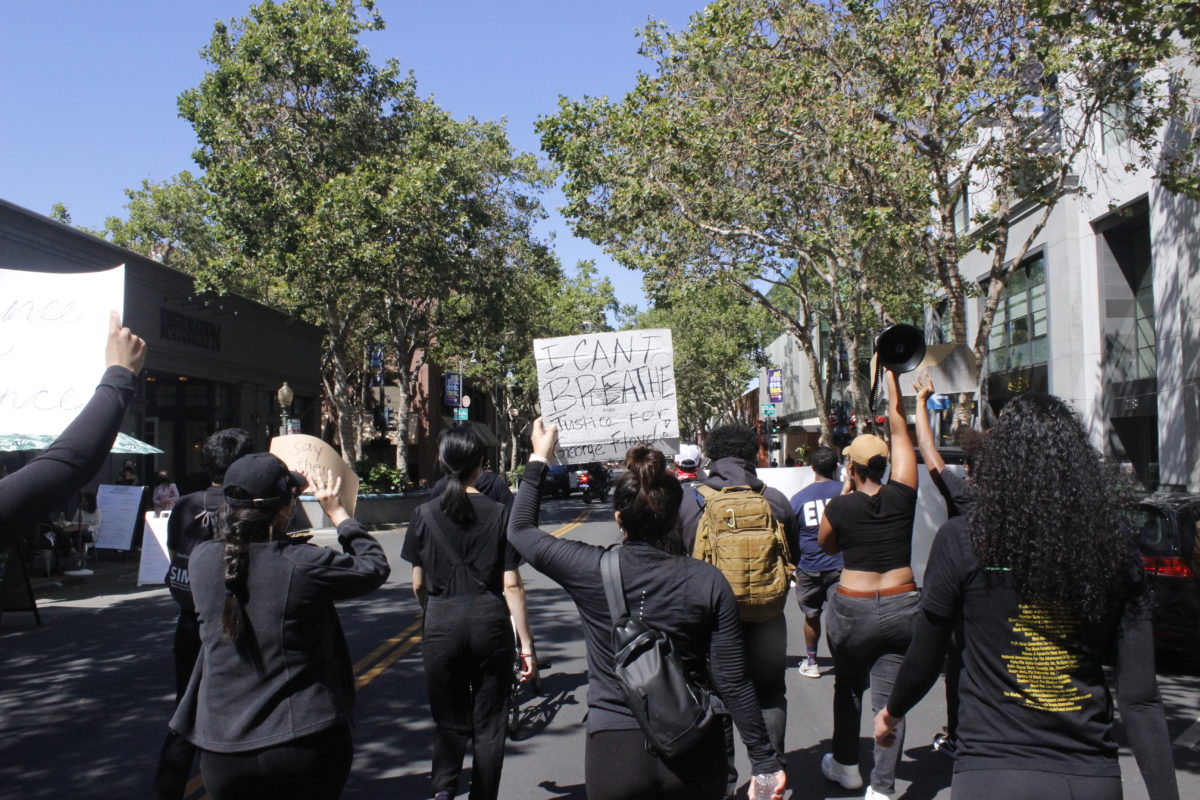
{"points": [[261, 479]]}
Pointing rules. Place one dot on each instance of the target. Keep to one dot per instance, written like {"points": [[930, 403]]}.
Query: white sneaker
{"points": [[809, 669], [844, 775], [874, 795]]}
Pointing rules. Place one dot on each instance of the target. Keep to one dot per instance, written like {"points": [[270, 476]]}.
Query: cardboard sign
{"points": [[119, 508], [304, 453], [607, 392], [53, 330], [951, 367], [152, 569]]}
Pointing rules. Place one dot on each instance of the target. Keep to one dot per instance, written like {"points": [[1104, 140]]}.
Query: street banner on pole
{"points": [[119, 508], [53, 330], [607, 392], [775, 385], [304, 453]]}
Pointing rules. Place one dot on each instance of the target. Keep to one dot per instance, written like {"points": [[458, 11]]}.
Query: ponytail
{"points": [[647, 497], [460, 452], [239, 527]]}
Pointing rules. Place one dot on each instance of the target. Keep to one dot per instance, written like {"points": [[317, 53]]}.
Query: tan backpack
{"points": [[739, 535]]}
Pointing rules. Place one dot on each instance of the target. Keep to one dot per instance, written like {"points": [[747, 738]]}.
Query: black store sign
{"points": [[176, 327]]}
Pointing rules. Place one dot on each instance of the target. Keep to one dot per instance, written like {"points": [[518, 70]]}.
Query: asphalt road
{"points": [[85, 697]]}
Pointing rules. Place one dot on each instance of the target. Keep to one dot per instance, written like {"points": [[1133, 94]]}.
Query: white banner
{"points": [[53, 330], [607, 392], [152, 569], [119, 507]]}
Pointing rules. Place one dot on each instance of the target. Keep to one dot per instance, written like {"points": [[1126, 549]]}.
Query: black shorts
{"points": [[813, 588]]}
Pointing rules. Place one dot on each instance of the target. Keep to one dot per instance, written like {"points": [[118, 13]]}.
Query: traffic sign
{"points": [[460, 414], [768, 410]]}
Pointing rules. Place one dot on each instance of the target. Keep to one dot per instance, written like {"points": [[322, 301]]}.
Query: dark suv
{"points": [[1168, 534]]}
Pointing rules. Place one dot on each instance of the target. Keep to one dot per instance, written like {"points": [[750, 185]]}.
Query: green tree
{"points": [[345, 197], [1000, 105], [719, 336], [170, 222], [742, 159]]}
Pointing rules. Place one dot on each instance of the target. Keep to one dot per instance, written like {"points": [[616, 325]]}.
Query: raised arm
{"points": [[362, 567], [563, 561], [80, 450], [904, 458], [929, 452]]}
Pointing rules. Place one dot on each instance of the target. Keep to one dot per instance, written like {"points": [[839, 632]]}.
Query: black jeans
{"points": [[617, 766], [468, 648], [1028, 784], [314, 767], [867, 638], [175, 758], [766, 666]]}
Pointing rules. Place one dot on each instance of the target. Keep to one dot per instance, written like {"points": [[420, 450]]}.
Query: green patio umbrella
{"points": [[13, 442]]}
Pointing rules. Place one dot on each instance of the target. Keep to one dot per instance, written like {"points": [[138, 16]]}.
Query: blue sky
{"points": [[88, 89]]}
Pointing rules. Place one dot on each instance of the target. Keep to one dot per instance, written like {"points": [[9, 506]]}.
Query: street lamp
{"points": [[285, 396]]}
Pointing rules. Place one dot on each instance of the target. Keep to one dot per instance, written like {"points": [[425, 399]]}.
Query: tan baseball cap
{"points": [[866, 447]]}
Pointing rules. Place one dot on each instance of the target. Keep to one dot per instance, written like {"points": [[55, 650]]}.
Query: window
{"points": [[1019, 337], [1119, 115], [962, 213]]}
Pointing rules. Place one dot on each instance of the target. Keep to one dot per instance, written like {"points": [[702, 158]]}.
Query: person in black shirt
{"points": [[956, 491], [870, 614], [271, 699], [30, 493], [1045, 579], [732, 451], [688, 600], [465, 577], [193, 520]]}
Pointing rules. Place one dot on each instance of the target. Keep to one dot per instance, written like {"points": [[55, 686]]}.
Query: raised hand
{"points": [[124, 348]]}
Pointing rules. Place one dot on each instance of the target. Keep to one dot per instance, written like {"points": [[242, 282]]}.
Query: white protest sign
{"points": [[53, 330], [607, 392], [119, 507], [307, 454], [154, 563]]}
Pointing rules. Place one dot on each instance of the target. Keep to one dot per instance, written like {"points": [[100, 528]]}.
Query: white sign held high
{"points": [[607, 392], [53, 330]]}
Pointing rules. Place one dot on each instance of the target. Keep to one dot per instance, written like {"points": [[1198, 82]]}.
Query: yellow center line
{"points": [[386, 662], [388, 645]]}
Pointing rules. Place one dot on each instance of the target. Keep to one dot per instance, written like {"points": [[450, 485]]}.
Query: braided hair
{"points": [[460, 452], [647, 497], [239, 526]]}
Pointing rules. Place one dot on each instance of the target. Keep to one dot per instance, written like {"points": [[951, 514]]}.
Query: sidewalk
{"points": [[116, 571]]}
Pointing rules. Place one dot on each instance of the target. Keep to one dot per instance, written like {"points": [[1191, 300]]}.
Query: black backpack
{"points": [[674, 712]]}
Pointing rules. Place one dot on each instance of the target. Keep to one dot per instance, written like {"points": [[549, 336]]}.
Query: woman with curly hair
{"points": [[1044, 578]]}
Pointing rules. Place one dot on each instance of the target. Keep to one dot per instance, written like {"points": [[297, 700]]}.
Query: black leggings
{"points": [[468, 649], [1028, 784], [618, 767], [314, 767]]}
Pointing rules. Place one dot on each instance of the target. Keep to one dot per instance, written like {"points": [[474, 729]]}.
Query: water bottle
{"points": [[764, 787]]}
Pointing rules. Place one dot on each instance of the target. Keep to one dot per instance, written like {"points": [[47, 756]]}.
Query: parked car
{"points": [[1168, 534]]}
